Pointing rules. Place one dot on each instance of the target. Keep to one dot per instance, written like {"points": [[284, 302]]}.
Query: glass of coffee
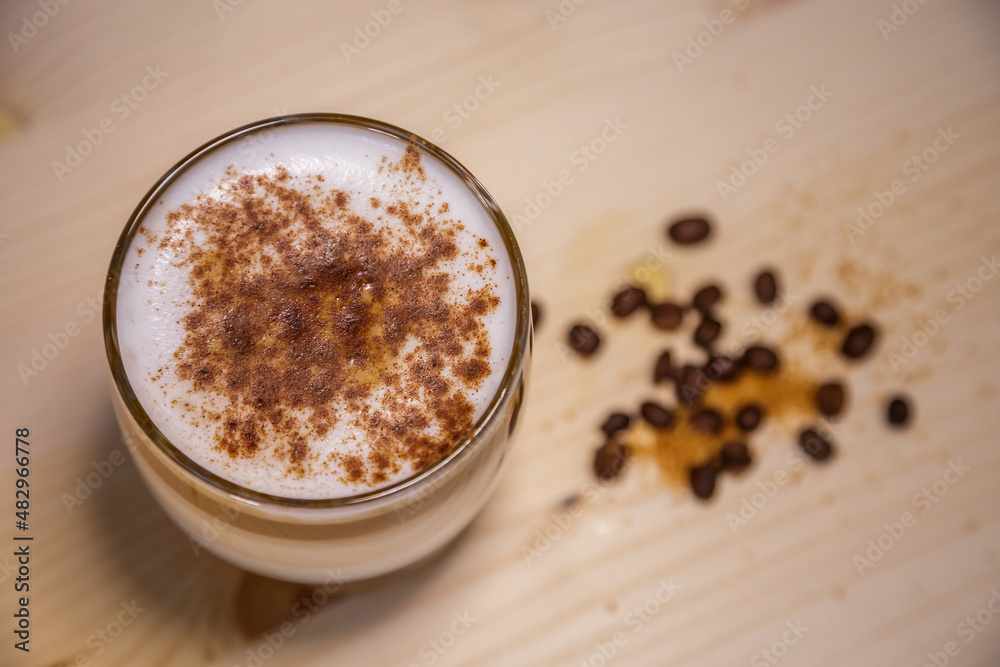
{"points": [[318, 327]]}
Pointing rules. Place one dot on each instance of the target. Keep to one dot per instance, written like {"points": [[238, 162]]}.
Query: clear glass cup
{"points": [[356, 537]]}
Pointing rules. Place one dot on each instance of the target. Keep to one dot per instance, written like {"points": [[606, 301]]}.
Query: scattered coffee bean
{"points": [[858, 341], [610, 460], [703, 481], [735, 456], [707, 421], [720, 368], [615, 422], [707, 332], [760, 358], [628, 301], [898, 411], [584, 340], [691, 384], [667, 315], [815, 445], [830, 398], [824, 312], [664, 369], [657, 415], [689, 231], [765, 287], [749, 416], [536, 314], [706, 298]]}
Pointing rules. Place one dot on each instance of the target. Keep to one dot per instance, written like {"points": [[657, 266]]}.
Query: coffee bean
{"points": [[706, 298], [749, 416], [824, 312], [735, 456], [703, 481], [609, 461], [689, 231], [664, 369], [615, 422], [657, 415], [707, 421], [667, 315], [691, 384], [536, 314], [830, 398], [858, 341], [898, 411], [584, 340], [721, 368], [815, 445], [707, 332], [765, 286], [628, 301], [760, 358]]}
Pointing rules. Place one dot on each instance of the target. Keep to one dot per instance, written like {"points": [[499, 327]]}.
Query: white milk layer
{"points": [[155, 293]]}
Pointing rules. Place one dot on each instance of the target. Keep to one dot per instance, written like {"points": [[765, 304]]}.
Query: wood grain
{"points": [[680, 132]]}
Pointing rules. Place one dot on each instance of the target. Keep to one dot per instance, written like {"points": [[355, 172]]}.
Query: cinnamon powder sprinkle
{"points": [[303, 307]]}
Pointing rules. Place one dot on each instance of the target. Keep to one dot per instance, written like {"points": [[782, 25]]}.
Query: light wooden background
{"points": [[683, 131]]}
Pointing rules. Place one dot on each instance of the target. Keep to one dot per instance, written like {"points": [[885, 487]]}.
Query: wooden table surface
{"points": [[645, 108]]}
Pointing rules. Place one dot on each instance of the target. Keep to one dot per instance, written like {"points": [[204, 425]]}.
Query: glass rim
{"points": [[460, 449]]}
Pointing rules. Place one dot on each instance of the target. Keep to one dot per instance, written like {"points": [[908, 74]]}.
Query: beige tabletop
{"points": [[592, 122]]}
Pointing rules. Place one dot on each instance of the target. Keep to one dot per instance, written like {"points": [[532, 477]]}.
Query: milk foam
{"points": [[154, 293]]}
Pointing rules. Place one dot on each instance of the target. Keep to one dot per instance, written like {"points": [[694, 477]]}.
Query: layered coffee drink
{"points": [[313, 322]]}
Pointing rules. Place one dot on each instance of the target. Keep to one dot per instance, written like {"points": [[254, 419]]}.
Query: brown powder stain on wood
{"points": [[785, 397], [880, 287]]}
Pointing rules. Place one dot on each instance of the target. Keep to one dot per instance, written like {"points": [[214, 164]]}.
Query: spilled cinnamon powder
{"points": [[785, 396]]}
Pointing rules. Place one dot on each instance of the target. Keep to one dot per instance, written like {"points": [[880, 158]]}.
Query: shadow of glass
{"points": [[209, 607]]}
